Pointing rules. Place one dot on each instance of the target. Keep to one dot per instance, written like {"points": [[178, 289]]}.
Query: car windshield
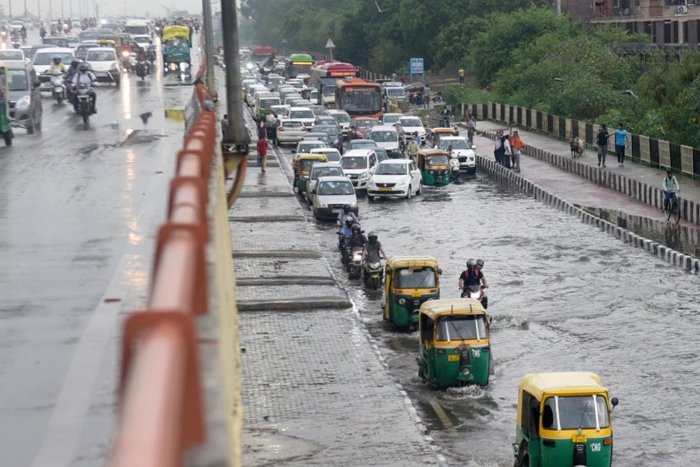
{"points": [[11, 55], [364, 123], [307, 163], [410, 121], [395, 92], [438, 160], [384, 136], [341, 117], [453, 328], [392, 169], [47, 58], [415, 278], [354, 162], [100, 56], [381, 154], [309, 145], [574, 412], [301, 114], [326, 172], [391, 119], [336, 188], [362, 144], [455, 143], [17, 80]]}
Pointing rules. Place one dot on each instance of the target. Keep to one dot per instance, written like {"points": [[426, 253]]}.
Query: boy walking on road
{"points": [[621, 137], [262, 154]]}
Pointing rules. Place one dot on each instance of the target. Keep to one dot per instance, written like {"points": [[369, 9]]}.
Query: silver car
{"points": [[290, 131]]}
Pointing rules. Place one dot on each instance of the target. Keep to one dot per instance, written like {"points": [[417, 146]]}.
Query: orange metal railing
{"points": [[161, 410]]}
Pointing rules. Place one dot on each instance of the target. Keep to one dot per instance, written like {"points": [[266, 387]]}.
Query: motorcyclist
{"points": [[670, 186], [57, 66], [347, 211], [85, 76], [141, 57], [346, 229], [73, 69], [357, 239], [373, 252], [473, 276]]}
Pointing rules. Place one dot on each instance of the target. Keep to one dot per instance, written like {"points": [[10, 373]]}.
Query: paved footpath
{"points": [[315, 388]]}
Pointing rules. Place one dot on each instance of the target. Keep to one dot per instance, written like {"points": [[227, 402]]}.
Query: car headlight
{"points": [[364, 176], [23, 103], [125, 53]]}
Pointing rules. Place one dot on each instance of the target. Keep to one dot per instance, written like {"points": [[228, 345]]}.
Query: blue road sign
{"points": [[416, 66]]}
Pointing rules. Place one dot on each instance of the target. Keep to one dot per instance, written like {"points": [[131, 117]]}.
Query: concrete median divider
{"points": [[179, 390], [507, 176]]}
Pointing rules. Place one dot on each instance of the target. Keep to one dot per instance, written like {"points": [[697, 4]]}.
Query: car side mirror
{"points": [[439, 271], [614, 401]]}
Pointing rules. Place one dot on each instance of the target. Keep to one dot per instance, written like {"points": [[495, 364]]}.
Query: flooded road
{"points": [[563, 296]]}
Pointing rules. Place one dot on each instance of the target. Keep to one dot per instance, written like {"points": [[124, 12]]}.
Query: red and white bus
{"points": [[324, 76]]}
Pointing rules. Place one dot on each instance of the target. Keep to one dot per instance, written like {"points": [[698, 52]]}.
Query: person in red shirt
{"points": [[262, 154]]}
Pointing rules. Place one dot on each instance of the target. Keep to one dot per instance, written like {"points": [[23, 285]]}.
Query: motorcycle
{"points": [[477, 292], [84, 103], [141, 69], [373, 274], [355, 264], [58, 89], [454, 167]]}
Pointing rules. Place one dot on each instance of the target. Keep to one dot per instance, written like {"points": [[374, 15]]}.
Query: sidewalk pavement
{"points": [[690, 188], [315, 389]]}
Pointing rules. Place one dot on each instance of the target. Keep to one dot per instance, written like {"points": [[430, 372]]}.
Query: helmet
{"points": [[471, 263], [349, 220], [346, 209], [57, 59], [83, 68], [372, 237], [480, 263], [355, 228], [75, 62]]}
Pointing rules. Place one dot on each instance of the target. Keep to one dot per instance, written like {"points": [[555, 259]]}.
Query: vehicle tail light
{"points": [[280, 128], [608, 442]]}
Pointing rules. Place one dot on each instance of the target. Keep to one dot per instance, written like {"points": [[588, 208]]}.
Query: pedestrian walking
{"points": [[224, 127], [602, 140], [471, 127], [262, 154], [262, 132], [621, 137], [461, 75], [498, 149], [517, 145], [507, 151]]}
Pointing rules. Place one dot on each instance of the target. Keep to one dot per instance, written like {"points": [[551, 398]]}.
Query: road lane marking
{"points": [[65, 425], [442, 415]]}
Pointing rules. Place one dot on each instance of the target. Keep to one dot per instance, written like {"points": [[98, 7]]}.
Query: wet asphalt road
{"points": [[79, 210], [563, 296]]}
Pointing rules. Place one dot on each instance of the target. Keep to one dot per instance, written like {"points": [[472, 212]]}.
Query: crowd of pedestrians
{"points": [[508, 148]]}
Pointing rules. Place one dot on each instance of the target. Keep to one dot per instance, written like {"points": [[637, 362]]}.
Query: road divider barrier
{"points": [[162, 410], [511, 178]]}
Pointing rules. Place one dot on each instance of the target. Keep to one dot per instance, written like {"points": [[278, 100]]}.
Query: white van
{"points": [[387, 137], [359, 165]]}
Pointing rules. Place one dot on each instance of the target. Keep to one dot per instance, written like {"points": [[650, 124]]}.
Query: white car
{"points": [[409, 126], [343, 118], [318, 170], [358, 165], [462, 150], [290, 131], [395, 92], [395, 178], [387, 137], [104, 64], [43, 58], [391, 118], [12, 57], [304, 114], [143, 40], [330, 195], [306, 145], [332, 154]]}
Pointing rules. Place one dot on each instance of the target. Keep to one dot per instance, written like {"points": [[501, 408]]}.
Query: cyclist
{"points": [[670, 187]]}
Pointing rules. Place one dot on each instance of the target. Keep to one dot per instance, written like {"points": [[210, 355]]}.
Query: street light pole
{"points": [[236, 133], [209, 46]]}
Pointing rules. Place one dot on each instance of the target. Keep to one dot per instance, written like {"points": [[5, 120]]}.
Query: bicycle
{"points": [[673, 210]]}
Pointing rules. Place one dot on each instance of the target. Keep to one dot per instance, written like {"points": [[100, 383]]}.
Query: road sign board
{"points": [[416, 66], [330, 44]]}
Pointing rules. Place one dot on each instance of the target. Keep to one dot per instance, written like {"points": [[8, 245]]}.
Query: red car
{"points": [[360, 127]]}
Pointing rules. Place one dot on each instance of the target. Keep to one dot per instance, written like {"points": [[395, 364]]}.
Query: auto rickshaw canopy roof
{"points": [[433, 152], [313, 157], [398, 262], [565, 382], [171, 32], [443, 130], [452, 306]]}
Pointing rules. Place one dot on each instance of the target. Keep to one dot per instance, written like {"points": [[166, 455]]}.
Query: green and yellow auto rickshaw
{"points": [[302, 169], [564, 420], [176, 43], [454, 343], [410, 281], [434, 165], [5, 122]]}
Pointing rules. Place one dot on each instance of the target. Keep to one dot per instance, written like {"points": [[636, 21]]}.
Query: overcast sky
{"points": [[106, 7]]}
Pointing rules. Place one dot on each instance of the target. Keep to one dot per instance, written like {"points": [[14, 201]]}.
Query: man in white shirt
{"points": [[85, 76]]}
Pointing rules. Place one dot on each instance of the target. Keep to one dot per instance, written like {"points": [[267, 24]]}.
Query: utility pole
{"points": [[209, 46], [559, 7]]}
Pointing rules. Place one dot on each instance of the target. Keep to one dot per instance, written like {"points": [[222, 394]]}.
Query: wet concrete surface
{"points": [[564, 296], [79, 210]]}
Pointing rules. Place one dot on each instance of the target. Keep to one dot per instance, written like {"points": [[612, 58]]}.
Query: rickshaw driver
{"points": [[473, 276]]}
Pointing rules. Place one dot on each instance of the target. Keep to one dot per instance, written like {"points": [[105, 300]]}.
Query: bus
{"points": [[359, 98], [262, 55], [324, 76], [299, 65]]}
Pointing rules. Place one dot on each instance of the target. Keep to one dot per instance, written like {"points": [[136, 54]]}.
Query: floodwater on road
{"points": [[563, 296]]}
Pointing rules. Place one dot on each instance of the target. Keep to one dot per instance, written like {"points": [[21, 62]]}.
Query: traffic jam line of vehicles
{"points": [[345, 146], [98, 55]]}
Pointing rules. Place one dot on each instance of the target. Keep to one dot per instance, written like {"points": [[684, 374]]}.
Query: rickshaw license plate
{"points": [[453, 358]]}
